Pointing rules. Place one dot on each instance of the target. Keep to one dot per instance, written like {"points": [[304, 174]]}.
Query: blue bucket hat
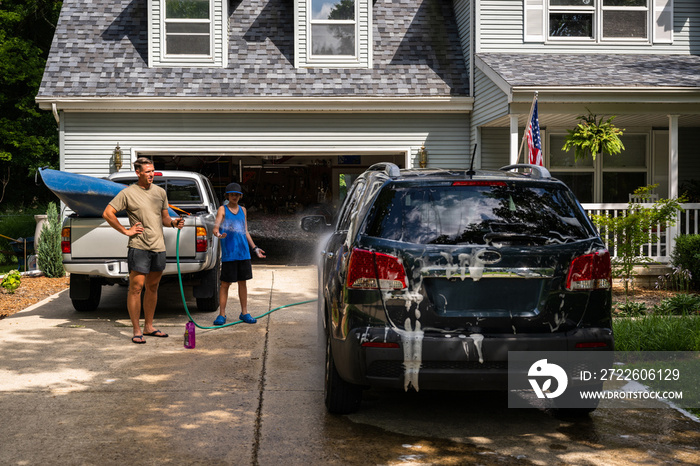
{"points": [[233, 188]]}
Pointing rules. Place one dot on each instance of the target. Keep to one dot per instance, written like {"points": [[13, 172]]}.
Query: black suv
{"points": [[431, 276]]}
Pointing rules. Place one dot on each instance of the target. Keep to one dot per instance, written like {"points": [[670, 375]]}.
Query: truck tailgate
{"points": [[106, 242]]}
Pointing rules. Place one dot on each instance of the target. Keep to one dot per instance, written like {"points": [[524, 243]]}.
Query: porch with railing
{"points": [[688, 223]]}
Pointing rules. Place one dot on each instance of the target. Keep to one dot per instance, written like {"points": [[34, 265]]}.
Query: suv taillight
{"points": [[202, 243], [364, 266], [590, 272], [65, 240]]}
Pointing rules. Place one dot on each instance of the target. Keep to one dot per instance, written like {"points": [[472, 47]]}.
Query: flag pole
{"points": [[527, 124]]}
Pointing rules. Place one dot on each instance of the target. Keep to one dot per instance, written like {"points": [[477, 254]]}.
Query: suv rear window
{"points": [[477, 215]]}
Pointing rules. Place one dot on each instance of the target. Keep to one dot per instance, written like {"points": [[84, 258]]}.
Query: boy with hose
{"points": [[231, 226]]}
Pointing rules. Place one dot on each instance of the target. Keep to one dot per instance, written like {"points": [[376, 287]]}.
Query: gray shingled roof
{"points": [[595, 69], [100, 50]]}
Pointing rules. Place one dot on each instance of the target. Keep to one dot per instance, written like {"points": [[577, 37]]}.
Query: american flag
{"points": [[534, 143]]}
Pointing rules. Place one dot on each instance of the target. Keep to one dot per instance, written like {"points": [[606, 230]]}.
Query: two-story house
{"points": [[294, 97]]}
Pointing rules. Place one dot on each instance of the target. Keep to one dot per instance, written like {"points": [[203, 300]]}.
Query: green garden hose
{"points": [[182, 293]]}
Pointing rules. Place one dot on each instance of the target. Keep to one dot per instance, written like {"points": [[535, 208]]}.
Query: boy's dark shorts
{"points": [[145, 261], [236, 271]]}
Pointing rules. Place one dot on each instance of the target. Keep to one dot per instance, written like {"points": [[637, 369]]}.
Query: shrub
{"points": [[679, 304], [49, 248], [11, 281], [686, 255], [631, 309]]}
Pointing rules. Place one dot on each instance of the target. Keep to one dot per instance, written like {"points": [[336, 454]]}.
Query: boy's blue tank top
{"points": [[234, 247]]}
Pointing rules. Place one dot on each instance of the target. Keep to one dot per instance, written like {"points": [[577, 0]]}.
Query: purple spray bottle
{"points": [[189, 335]]}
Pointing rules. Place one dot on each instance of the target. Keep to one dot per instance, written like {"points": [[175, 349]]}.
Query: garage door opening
{"points": [[280, 189]]}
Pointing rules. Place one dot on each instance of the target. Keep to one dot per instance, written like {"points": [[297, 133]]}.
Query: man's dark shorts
{"points": [[145, 261], [236, 271]]}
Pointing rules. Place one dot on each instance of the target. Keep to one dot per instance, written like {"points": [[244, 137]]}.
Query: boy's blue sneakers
{"points": [[220, 320], [247, 318]]}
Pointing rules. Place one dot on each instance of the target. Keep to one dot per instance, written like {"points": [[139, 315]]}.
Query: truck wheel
{"points": [[85, 292], [207, 292], [340, 396]]}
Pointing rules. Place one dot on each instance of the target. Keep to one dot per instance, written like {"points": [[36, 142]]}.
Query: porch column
{"points": [[673, 156], [673, 231], [514, 143]]}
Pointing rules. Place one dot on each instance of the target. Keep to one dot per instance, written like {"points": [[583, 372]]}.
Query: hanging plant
{"points": [[593, 137]]}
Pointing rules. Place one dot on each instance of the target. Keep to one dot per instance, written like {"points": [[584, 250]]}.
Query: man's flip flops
{"points": [[157, 333], [138, 339]]}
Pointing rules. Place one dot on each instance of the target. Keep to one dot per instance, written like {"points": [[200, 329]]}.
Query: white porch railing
{"points": [[660, 250]]}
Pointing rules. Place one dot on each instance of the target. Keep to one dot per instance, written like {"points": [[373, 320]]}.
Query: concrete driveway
{"points": [[75, 390]]}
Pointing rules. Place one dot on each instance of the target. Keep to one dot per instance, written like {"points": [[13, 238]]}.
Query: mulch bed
{"points": [[31, 291]]}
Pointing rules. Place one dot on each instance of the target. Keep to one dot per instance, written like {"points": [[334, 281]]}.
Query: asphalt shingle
{"points": [[623, 70]]}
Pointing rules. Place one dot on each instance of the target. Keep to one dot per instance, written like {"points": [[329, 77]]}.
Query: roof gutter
{"points": [[446, 104]]}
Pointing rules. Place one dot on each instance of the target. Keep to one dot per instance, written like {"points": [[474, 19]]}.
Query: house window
{"points": [[188, 27], [599, 19], [333, 33], [608, 178], [333, 28]]}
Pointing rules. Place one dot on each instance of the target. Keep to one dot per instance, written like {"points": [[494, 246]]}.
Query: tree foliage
{"points": [[627, 234], [28, 136], [593, 137], [48, 249]]}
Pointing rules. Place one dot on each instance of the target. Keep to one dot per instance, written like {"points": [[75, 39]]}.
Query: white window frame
{"points": [[597, 10], [332, 59], [192, 58]]}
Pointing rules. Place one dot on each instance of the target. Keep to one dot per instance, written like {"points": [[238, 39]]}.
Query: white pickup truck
{"points": [[94, 253]]}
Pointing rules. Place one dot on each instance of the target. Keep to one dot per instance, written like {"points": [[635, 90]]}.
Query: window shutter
{"points": [[663, 21], [534, 20]]}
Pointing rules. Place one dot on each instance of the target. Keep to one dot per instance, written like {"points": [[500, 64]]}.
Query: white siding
{"points": [[90, 138], [501, 29], [490, 102], [495, 148]]}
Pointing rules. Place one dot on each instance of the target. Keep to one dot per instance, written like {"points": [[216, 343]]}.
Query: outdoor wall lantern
{"points": [[423, 157], [117, 157]]}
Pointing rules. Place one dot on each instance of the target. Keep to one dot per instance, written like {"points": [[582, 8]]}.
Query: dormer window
{"points": [[188, 27], [188, 33], [333, 28], [333, 33]]}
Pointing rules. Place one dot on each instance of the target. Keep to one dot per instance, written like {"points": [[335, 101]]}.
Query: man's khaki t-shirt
{"points": [[145, 206]]}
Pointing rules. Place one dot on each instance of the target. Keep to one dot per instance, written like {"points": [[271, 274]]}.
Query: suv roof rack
{"points": [[536, 170], [392, 170]]}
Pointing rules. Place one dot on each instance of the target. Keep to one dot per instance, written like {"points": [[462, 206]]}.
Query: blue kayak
{"points": [[87, 196]]}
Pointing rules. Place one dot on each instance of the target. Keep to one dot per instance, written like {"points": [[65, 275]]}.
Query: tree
{"points": [[628, 233], [48, 249], [593, 137], [28, 136]]}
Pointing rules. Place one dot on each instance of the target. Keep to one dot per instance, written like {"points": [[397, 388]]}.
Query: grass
{"points": [[654, 332]]}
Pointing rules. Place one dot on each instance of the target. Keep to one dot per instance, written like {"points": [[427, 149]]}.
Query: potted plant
{"points": [[593, 136]]}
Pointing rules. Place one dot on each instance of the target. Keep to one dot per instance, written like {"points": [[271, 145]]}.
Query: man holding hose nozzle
{"points": [[147, 207]]}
